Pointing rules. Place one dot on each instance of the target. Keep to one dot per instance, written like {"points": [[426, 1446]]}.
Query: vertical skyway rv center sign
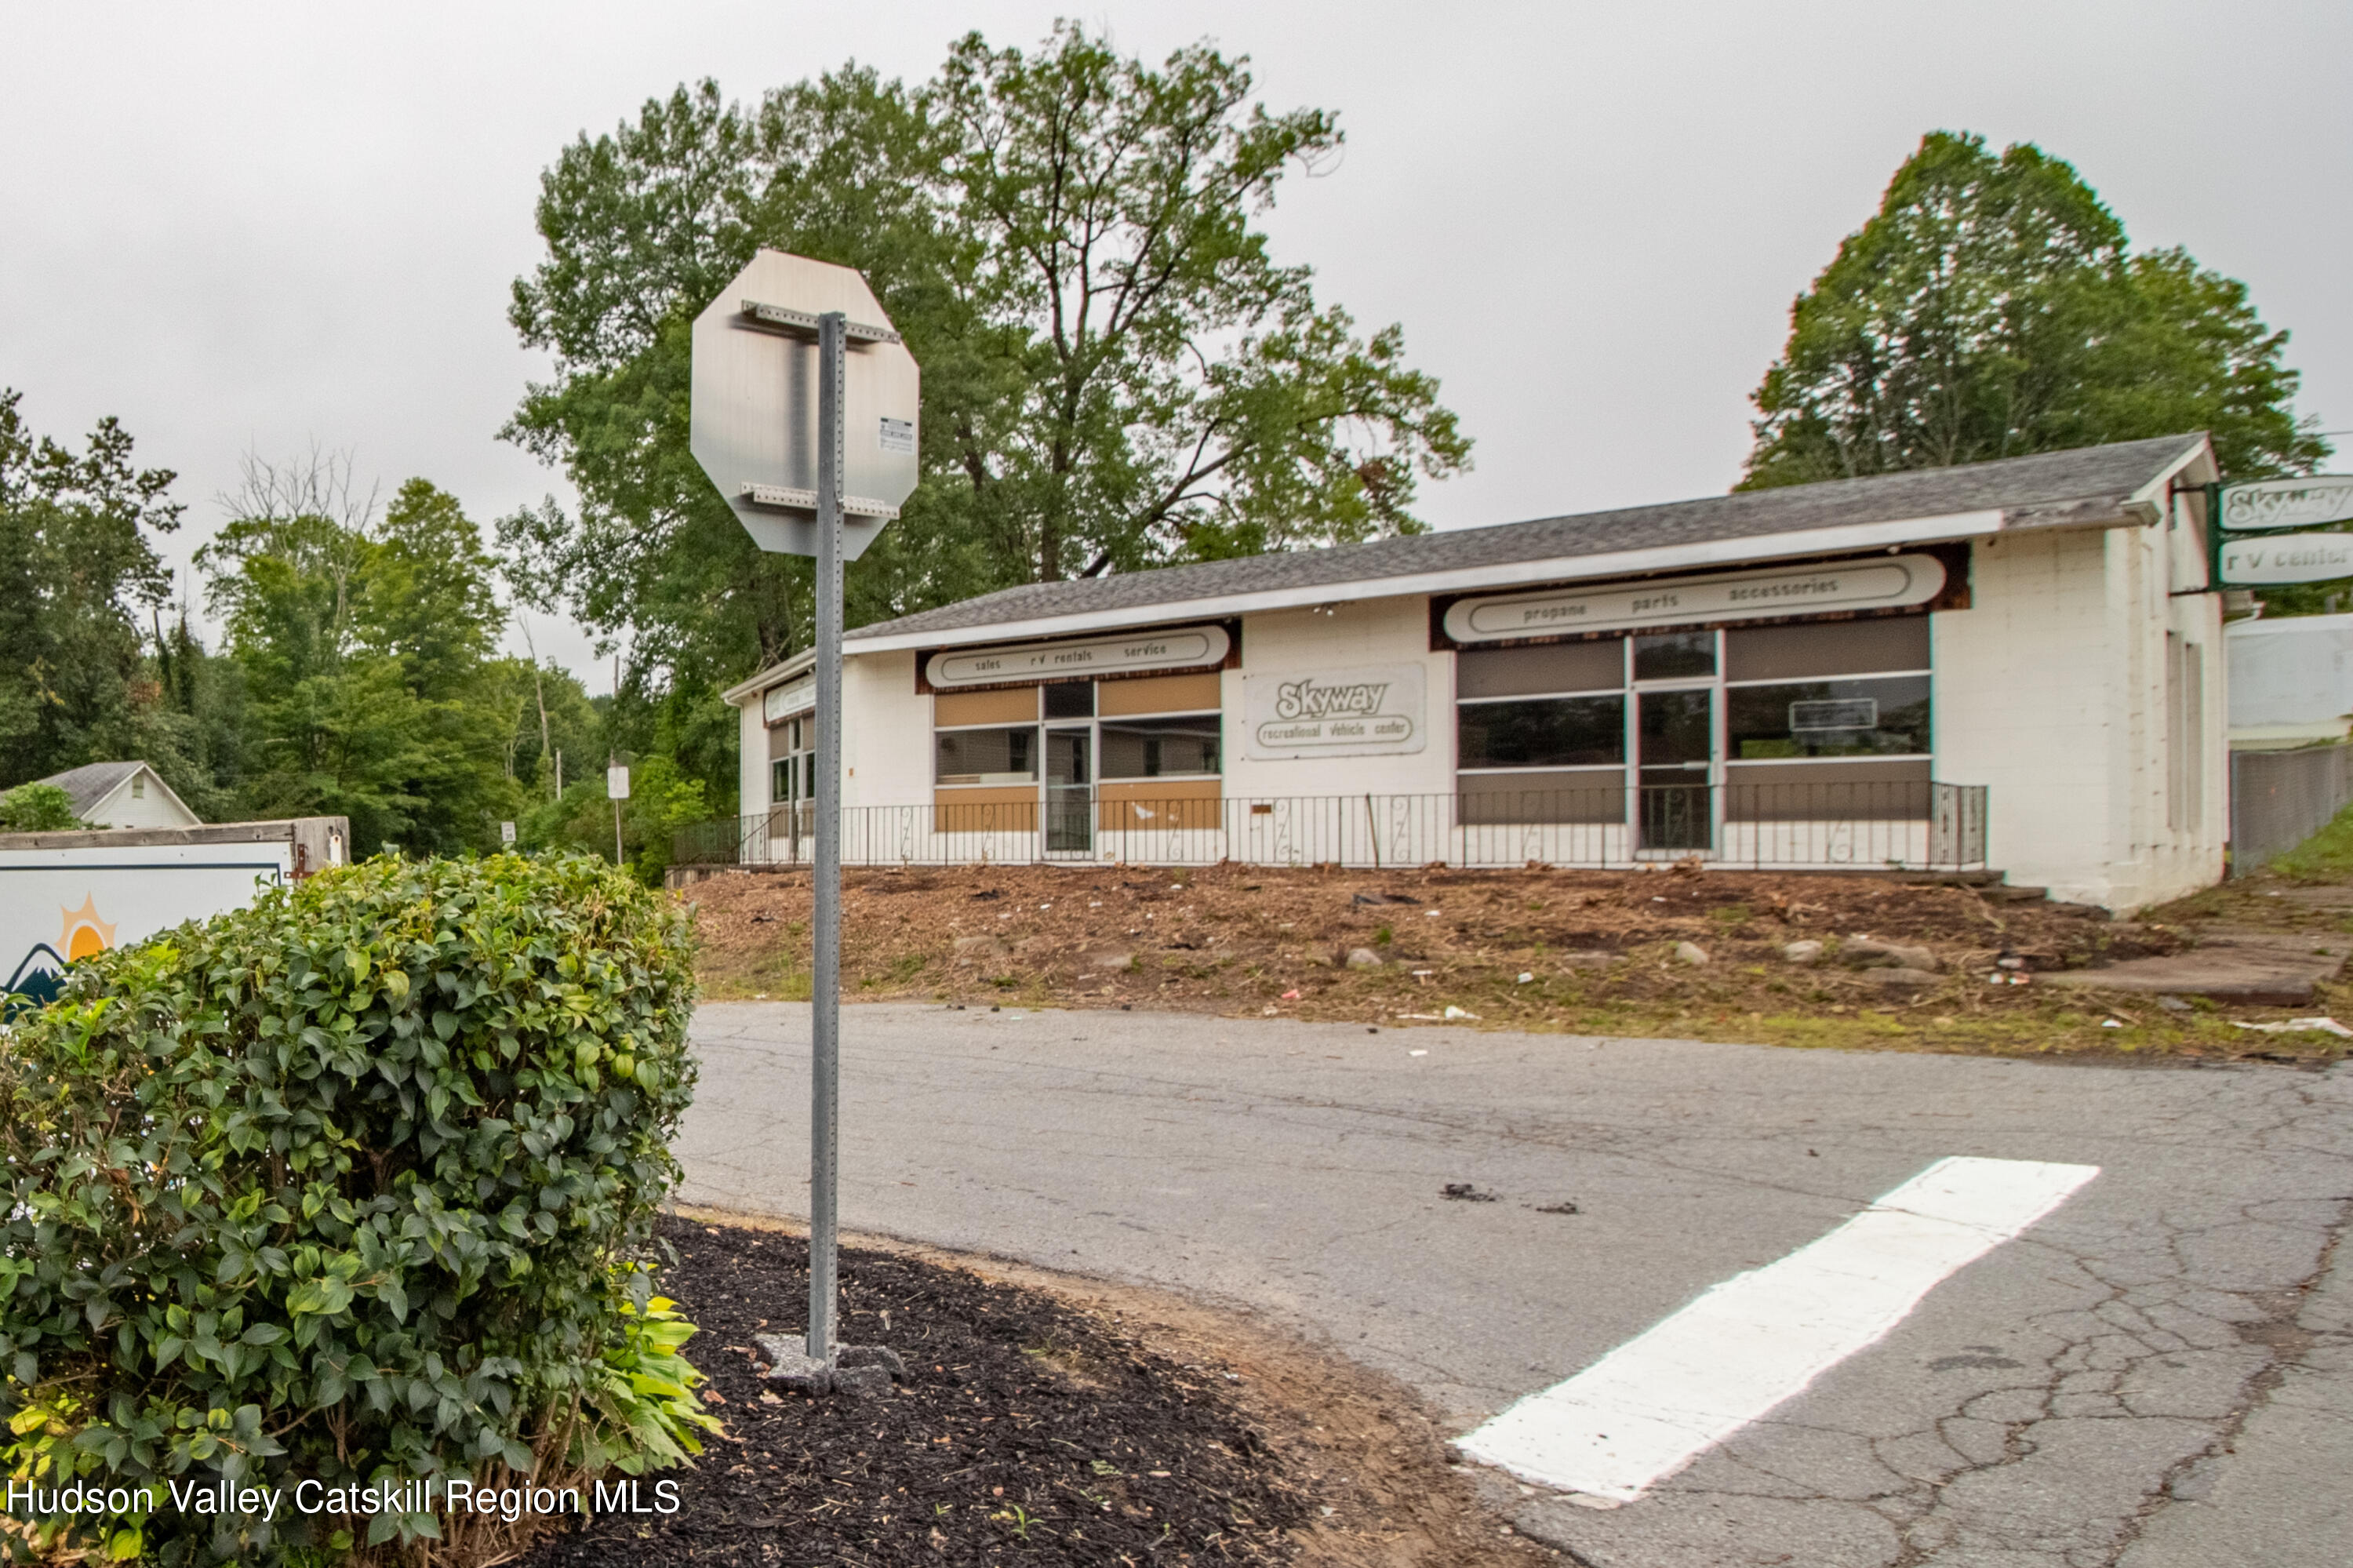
{"points": [[2277, 559], [2306, 503], [2248, 554], [1887, 582], [1178, 648]]}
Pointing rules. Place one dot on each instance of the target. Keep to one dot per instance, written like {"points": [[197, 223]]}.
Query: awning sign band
{"points": [[1180, 648], [1886, 583]]}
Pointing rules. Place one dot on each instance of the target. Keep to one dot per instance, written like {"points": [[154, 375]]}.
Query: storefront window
{"points": [[988, 756], [792, 767], [1070, 699], [1882, 718], [1546, 732], [1160, 748], [1674, 656]]}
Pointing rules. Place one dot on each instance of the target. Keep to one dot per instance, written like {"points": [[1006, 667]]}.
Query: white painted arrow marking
{"points": [[1655, 1403]]}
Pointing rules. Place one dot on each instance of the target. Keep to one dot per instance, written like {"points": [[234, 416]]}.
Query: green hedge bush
{"points": [[349, 1185]]}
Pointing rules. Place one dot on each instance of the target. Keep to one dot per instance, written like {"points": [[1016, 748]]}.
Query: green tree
{"points": [[78, 578], [366, 647], [662, 800], [37, 809], [1116, 373], [1992, 308], [548, 716], [195, 732]]}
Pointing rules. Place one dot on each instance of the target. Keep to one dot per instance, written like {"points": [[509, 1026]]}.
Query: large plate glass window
{"points": [[1183, 747], [1887, 717], [988, 756], [1544, 732]]}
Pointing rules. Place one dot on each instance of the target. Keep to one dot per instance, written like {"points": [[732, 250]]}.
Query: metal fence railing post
{"points": [[2276, 800]]}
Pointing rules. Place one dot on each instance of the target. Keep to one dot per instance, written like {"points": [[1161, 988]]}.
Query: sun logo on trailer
{"points": [[84, 932]]}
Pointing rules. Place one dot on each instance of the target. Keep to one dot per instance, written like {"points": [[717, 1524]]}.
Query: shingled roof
{"points": [[91, 782], [2089, 487]]}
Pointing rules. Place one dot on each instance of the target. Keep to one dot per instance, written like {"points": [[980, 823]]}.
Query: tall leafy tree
{"points": [[79, 580], [365, 645], [1116, 371], [1992, 307]]}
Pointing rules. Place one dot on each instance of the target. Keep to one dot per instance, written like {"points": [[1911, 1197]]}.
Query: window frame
{"points": [[1103, 776]]}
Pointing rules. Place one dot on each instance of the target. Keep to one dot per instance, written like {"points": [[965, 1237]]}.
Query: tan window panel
{"points": [[1017, 706], [1159, 694]]}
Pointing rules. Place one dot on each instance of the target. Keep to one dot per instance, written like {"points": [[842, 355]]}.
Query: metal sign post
{"points": [[804, 416], [824, 969]]}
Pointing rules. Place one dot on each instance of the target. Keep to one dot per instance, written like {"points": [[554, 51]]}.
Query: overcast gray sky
{"points": [[262, 227]]}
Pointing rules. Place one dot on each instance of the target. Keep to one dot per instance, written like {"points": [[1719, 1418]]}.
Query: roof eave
{"points": [[1622, 562], [775, 674]]}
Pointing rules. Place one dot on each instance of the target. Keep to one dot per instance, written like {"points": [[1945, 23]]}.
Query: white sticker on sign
{"points": [[898, 435]]}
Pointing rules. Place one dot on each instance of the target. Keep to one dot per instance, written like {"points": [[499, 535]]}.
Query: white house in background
{"points": [[2010, 665], [123, 795]]}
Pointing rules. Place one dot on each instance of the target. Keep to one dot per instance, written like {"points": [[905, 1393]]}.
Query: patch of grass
{"points": [[2325, 857]]}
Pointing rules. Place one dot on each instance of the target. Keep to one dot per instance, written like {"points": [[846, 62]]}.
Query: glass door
{"points": [[1675, 737], [1071, 790]]}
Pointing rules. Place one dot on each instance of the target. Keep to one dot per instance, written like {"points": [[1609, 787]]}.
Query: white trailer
{"points": [[66, 896]]}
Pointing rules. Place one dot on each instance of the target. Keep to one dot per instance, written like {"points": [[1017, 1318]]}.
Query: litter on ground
{"points": [[2298, 1026]]}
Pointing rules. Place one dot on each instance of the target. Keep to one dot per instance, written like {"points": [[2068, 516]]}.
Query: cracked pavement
{"points": [[2160, 1373]]}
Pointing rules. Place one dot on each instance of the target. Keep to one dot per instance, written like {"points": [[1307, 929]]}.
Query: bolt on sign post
{"points": [[804, 414], [2249, 548]]}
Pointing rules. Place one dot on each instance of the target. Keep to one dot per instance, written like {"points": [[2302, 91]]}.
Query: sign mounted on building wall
{"points": [[1887, 582], [778, 704], [1178, 648], [1335, 713], [2306, 503], [2276, 559]]}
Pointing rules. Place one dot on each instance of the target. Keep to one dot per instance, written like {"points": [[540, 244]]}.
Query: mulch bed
{"points": [[1026, 1433]]}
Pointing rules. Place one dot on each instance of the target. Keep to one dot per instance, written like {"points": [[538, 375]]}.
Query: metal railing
{"points": [[1912, 826]]}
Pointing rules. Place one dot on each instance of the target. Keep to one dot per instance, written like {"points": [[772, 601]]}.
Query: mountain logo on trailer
{"points": [[35, 984]]}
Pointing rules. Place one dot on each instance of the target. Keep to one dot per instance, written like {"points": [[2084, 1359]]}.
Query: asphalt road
{"points": [[2160, 1374]]}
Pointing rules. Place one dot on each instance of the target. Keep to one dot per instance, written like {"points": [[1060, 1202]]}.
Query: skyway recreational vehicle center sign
{"points": [[1335, 713]]}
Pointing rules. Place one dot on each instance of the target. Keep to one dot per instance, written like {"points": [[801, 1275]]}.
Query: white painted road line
{"points": [[1651, 1406]]}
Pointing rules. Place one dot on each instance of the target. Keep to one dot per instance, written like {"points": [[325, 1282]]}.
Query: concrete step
{"points": [[2255, 968]]}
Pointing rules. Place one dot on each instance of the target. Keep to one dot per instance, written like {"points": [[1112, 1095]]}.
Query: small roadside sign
{"points": [[506, 832], [617, 782]]}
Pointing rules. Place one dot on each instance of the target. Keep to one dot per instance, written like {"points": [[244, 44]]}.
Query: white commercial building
{"points": [[2005, 665]]}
